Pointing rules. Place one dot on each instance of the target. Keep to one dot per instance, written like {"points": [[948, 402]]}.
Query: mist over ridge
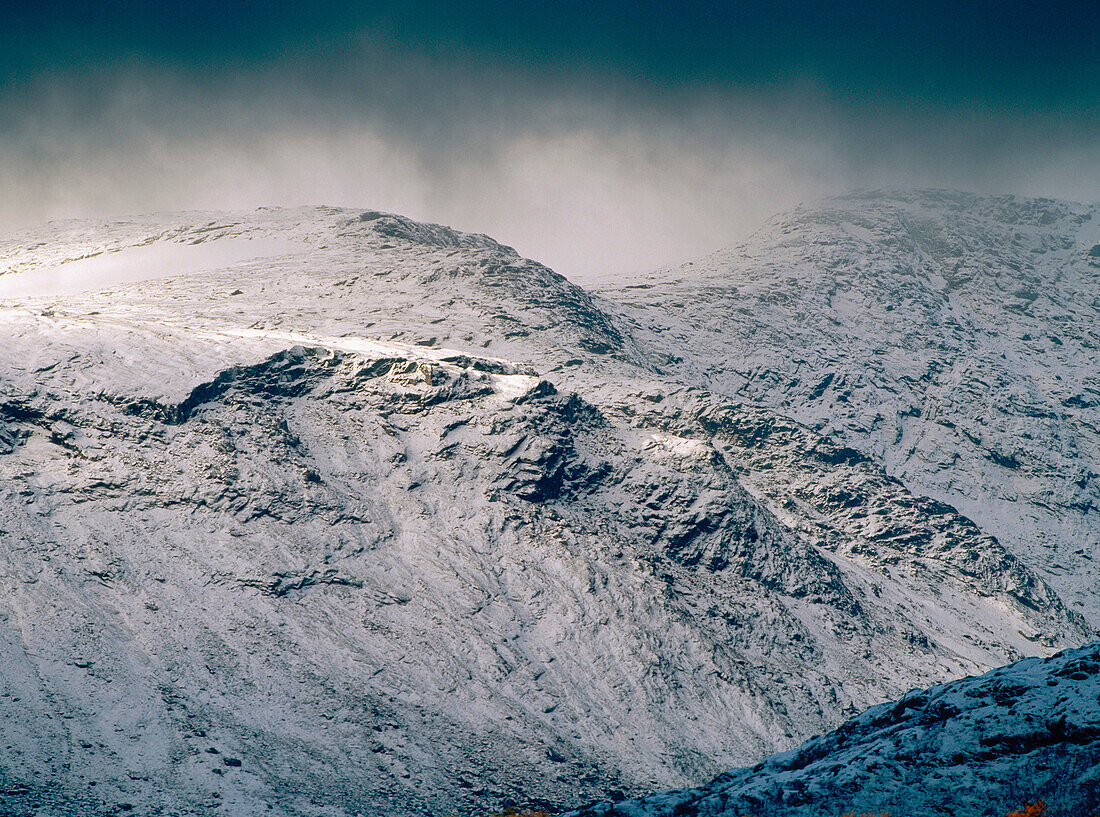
{"points": [[602, 139]]}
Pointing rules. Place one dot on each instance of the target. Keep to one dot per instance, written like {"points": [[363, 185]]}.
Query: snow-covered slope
{"points": [[331, 512], [953, 338], [979, 747]]}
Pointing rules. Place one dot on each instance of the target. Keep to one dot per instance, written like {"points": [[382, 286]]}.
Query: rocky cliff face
{"points": [[331, 512]]}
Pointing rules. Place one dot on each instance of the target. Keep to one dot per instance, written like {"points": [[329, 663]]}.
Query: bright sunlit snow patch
{"points": [[512, 386], [358, 345], [135, 264]]}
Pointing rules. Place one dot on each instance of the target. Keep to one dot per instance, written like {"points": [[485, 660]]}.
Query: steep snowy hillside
{"points": [[330, 512], [954, 338], [980, 747]]}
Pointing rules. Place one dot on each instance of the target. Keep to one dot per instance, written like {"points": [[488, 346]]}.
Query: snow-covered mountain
{"points": [[953, 338], [978, 747], [331, 512]]}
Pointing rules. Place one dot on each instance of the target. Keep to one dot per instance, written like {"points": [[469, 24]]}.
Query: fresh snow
{"points": [[408, 524], [143, 263], [954, 338]]}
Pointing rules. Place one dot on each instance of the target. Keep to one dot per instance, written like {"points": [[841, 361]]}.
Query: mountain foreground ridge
{"points": [[1022, 734]]}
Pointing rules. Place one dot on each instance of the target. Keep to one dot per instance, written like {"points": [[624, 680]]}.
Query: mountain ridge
{"points": [[1021, 734], [402, 522]]}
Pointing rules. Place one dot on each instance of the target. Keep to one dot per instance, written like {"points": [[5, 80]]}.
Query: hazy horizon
{"points": [[597, 138]]}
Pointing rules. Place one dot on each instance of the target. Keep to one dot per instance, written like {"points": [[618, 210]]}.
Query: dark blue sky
{"points": [[1027, 55], [626, 132]]}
